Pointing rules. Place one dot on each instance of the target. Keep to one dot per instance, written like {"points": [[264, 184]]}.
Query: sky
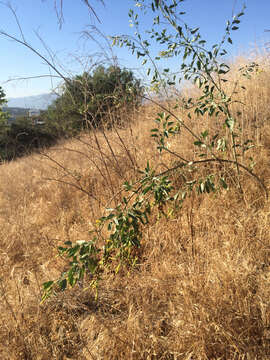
{"points": [[72, 52]]}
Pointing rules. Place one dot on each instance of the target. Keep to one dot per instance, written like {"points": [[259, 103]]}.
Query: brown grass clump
{"points": [[201, 289]]}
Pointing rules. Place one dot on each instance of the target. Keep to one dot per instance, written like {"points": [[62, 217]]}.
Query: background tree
{"points": [[92, 99], [21, 136], [3, 115]]}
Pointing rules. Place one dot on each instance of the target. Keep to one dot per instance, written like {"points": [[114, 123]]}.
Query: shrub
{"points": [[154, 194], [21, 138], [87, 99]]}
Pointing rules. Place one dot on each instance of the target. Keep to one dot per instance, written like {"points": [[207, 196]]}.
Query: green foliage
{"points": [[125, 226], [154, 195], [22, 137], [198, 64], [2, 98], [88, 99], [3, 115]]}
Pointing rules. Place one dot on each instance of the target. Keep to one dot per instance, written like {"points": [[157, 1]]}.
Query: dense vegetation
{"points": [[87, 101], [93, 100]]}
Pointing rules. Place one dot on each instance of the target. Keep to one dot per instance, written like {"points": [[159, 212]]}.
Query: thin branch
{"points": [[60, 14], [9, 6], [27, 45], [92, 9], [76, 187], [220, 161], [31, 78]]}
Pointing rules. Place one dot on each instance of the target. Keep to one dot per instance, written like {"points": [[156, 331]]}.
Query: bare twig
{"points": [[60, 14], [220, 161]]}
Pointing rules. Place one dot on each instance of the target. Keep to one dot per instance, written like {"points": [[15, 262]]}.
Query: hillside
{"points": [[15, 112], [32, 102], [201, 286]]}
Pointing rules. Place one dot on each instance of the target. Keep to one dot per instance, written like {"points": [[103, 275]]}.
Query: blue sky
{"points": [[72, 52]]}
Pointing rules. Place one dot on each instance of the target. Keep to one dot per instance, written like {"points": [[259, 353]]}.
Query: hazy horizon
{"points": [[40, 101]]}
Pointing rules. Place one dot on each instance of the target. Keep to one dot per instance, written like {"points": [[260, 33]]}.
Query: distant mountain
{"points": [[32, 102]]}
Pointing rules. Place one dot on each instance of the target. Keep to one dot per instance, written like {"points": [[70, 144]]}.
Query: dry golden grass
{"points": [[201, 290]]}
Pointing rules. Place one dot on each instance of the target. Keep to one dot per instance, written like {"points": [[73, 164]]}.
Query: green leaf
{"points": [[220, 72], [61, 249], [230, 123], [223, 183], [71, 279], [127, 186], [230, 40], [180, 30], [140, 54], [47, 285], [241, 14], [194, 30], [204, 134], [62, 284], [92, 265]]}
